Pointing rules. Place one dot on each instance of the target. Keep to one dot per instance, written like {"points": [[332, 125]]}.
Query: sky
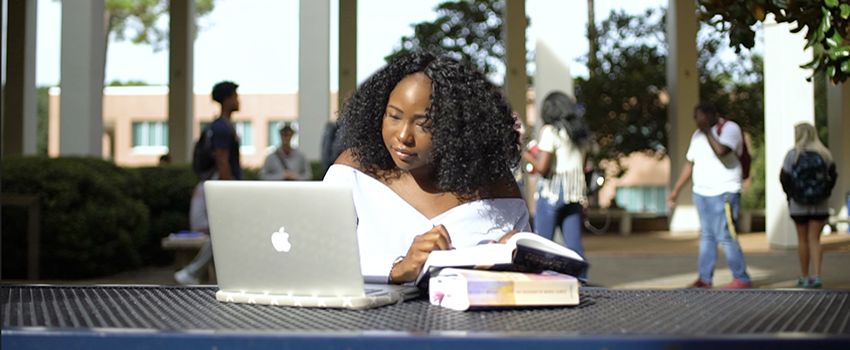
{"points": [[255, 42]]}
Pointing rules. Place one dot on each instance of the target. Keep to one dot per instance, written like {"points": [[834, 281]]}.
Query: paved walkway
{"points": [[662, 260], [646, 260]]}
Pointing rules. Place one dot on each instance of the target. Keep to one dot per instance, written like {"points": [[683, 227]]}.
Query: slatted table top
{"points": [[634, 314]]}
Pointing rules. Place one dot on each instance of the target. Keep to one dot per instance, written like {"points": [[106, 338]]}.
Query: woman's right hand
{"points": [[407, 270]]}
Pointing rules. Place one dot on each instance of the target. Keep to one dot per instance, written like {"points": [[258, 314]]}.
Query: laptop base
{"points": [[384, 297]]}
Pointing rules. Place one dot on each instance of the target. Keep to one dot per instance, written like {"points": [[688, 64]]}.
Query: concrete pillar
{"points": [[20, 105], [180, 76], [347, 49], [788, 100], [838, 98], [683, 85], [314, 94], [516, 79], [81, 78]]}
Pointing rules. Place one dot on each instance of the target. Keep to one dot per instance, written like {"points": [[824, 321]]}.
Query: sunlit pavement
{"points": [[643, 260]]}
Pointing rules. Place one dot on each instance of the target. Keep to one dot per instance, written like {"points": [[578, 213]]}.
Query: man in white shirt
{"points": [[713, 162], [286, 163]]}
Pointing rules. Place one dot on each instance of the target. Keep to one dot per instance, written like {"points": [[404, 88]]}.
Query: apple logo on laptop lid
{"points": [[280, 240]]}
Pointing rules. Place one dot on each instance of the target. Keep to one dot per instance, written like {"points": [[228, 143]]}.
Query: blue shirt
{"points": [[224, 137]]}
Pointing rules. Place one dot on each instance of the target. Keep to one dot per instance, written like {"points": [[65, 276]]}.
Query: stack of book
{"points": [[526, 271]]}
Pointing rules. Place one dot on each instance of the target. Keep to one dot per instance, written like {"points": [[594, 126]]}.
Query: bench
{"points": [[185, 251]]}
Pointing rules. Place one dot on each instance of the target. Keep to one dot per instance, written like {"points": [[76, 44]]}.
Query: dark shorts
{"points": [[804, 219]]}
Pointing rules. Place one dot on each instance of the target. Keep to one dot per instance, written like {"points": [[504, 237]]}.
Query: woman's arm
{"points": [[541, 163], [684, 176]]}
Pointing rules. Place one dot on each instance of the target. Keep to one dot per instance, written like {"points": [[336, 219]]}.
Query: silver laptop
{"points": [[290, 244]]}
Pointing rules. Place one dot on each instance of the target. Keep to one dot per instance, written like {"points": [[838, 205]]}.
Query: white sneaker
{"points": [[185, 278]]}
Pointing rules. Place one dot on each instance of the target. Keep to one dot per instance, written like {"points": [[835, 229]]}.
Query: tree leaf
{"points": [[845, 66], [830, 71], [834, 41], [831, 3], [845, 11]]}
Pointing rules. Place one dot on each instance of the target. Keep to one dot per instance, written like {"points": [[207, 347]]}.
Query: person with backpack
{"points": [[286, 163], [808, 176], [714, 161], [215, 157]]}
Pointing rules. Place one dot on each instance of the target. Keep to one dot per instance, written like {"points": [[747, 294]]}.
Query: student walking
{"points": [[713, 161], [808, 176]]}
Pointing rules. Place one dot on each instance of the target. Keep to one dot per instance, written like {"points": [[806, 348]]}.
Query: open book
{"points": [[524, 252], [462, 289]]}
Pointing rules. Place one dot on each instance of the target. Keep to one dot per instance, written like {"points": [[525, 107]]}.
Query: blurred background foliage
{"points": [[826, 24]]}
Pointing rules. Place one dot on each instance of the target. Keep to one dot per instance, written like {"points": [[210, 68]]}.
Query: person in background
{"points": [[286, 163], [225, 144], [429, 147], [562, 151], [224, 139], [713, 162], [198, 222], [809, 206]]}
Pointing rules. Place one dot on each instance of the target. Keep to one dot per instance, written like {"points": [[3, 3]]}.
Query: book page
{"points": [[479, 255]]}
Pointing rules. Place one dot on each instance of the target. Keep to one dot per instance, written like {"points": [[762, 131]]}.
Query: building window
{"points": [[150, 137], [244, 132], [643, 199], [274, 133]]}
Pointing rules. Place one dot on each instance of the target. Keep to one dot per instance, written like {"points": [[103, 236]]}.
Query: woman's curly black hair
{"points": [[473, 135]]}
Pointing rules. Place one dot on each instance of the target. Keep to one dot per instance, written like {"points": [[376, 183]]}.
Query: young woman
{"points": [[808, 217], [562, 190], [429, 147]]}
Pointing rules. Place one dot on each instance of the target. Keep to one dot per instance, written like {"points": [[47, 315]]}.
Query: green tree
{"points": [[137, 20], [130, 82], [827, 24], [625, 95], [469, 30]]}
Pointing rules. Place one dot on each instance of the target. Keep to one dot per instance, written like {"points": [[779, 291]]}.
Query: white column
{"points": [[683, 85], [20, 107], [788, 100], [314, 93], [516, 78], [180, 75], [839, 145], [347, 49], [81, 102]]}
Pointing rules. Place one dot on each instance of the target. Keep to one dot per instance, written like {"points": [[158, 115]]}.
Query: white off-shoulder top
{"points": [[387, 224]]}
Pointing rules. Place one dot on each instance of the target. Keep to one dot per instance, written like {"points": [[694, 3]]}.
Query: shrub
{"points": [[166, 191], [753, 197], [92, 216]]}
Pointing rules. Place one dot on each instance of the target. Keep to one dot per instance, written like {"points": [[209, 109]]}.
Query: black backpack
{"points": [[203, 159], [811, 179]]}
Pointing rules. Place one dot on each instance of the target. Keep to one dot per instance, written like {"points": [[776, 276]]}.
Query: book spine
{"points": [[522, 293], [536, 261]]}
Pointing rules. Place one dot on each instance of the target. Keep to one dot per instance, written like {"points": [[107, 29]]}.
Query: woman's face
{"points": [[406, 129]]}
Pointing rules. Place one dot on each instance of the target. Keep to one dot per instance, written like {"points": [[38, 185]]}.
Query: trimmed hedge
{"points": [[97, 218], [166, 191], [92, 216]]}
